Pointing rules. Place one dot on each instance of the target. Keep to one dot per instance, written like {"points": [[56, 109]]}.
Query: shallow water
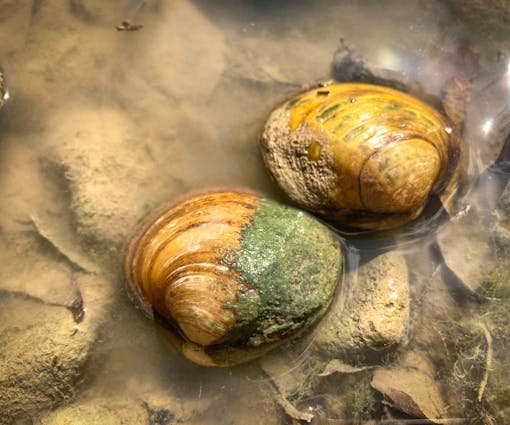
{"points": [[102, 125]]}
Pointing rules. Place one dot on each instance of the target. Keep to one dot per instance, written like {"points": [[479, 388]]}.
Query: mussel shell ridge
{"points": [[233, 273]]}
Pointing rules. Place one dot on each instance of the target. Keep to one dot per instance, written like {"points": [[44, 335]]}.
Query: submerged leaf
{"points": [[411, 387]]}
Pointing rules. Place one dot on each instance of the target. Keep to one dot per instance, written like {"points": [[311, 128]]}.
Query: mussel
{"points": [[361, 155], [232, 274]]}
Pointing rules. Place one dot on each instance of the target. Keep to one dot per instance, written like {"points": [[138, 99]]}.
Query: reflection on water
{"points": [[103, 125]]}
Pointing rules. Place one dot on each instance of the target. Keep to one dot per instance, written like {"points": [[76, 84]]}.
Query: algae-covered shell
{"points": [[232, 273], [360, 154]]}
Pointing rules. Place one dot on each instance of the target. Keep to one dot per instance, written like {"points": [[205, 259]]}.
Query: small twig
{"points": [[291, 410], [128, 26], [337, 366], [488, 361]]}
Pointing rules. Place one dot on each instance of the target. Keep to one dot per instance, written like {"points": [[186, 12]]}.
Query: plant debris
{"points": [[337, 366], [128, 26], [411, 387]]}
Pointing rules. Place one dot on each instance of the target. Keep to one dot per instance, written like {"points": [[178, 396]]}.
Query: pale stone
{"points": [[372, 312], [44, 346], [467, 248], [43, 350], [108, 172]]}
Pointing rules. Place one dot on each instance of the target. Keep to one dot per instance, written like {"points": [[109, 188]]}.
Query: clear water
{"points": [[103, 125]]}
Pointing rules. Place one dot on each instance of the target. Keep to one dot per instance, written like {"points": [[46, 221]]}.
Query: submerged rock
{"points": [[39, 277], [475, 249], [100, 412], [373, 315], [117, 410], [467, 248], [43, 349], [110, 174], [44, 345]]}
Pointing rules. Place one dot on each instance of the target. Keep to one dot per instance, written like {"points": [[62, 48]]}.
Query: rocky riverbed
{"points": [[101, 125]]}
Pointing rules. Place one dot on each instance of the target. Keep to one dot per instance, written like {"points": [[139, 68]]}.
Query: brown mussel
{"points": [[232, 274], [361, 155]]}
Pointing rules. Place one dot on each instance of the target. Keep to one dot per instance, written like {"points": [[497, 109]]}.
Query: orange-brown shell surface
{"points": [[232, 274], [359, 154]]}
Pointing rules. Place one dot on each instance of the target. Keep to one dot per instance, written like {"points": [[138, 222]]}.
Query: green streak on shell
{"points": [[354, 132], [292, 264], [323, 115]]}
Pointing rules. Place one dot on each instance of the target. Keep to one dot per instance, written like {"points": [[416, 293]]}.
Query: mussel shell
{"points": [[232, 273], [359, 154]]}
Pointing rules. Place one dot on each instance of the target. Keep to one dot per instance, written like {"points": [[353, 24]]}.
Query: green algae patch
{"points": [[289, 265], [478, 347], [496, 282]]}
